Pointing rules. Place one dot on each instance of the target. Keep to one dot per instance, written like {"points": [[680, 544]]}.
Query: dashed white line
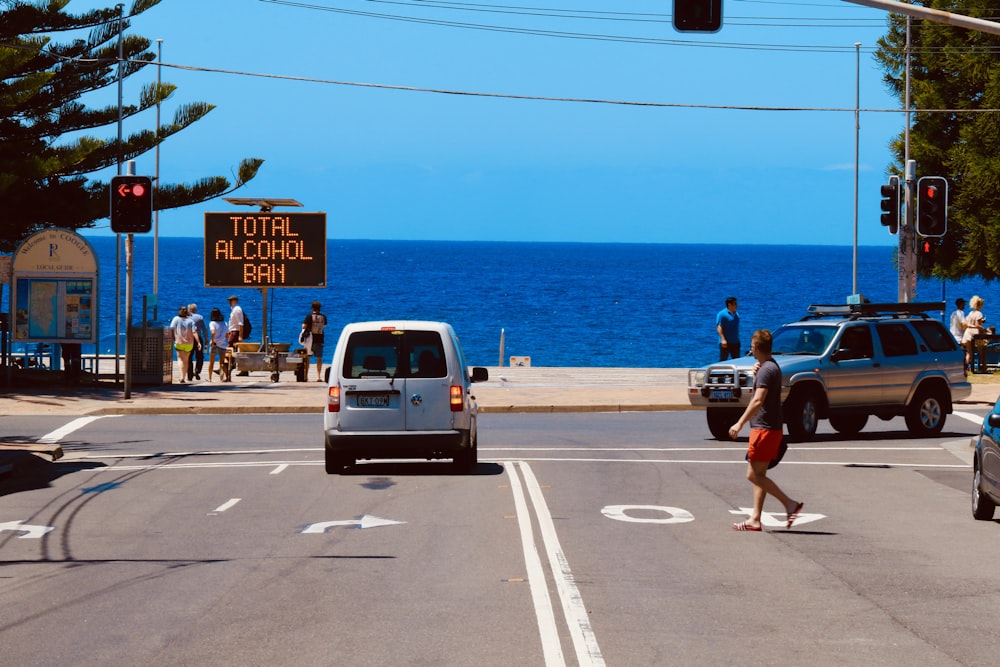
{"points": [[280, 469], [226, 505], [63, 431]]}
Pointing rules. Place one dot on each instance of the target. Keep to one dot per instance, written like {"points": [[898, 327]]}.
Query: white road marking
{"points": [[768, 519], [280, 469], [551, 649], [620, 513], [63, 431], [367, 521], [226, 505], [584, 641], [975, 419]]}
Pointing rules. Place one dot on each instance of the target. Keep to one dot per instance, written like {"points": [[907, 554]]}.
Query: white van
{"points": [[400, 389]]}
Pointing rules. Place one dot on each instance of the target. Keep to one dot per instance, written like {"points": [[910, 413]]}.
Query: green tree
{"points": [[46, 147], [955, 84]]}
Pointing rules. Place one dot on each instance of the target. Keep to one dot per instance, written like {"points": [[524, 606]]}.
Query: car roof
{"points": [[399, 325]]}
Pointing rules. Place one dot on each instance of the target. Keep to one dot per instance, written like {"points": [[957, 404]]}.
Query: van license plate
{"points": [[377, 401], [722, 394]]}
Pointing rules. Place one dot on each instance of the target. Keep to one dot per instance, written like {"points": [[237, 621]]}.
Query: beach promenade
{"points": [[509, 390]]}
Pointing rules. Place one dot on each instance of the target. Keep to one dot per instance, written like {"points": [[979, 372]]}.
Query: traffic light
{"points": [[697, 15], [928, 251], [131, 204], [890, 204], [932, 206]]}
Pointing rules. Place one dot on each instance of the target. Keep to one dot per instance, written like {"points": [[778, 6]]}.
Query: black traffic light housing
{"points": [[131, 204], [697, 15], [926, 256], [890, 204], [932, 206]]}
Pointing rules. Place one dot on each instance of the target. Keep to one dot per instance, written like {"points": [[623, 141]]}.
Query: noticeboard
{"points": [[265, 250]]}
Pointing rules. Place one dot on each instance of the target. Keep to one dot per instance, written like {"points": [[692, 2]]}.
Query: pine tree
{"points": [[956, 70], [47, 149]]}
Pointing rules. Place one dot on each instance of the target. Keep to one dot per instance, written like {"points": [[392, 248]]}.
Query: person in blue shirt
{"points": [[727, 324]]}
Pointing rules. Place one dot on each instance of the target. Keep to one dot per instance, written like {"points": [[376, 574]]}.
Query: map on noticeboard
{"points": [[54, 309]]}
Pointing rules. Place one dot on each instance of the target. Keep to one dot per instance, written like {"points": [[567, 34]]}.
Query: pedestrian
{"points": [[218, 348], [72, 357], [957, 324], [197, 360], [975, 323], [234, 332], [185, 336], [727, 324], [314, 323], [764, 415]]}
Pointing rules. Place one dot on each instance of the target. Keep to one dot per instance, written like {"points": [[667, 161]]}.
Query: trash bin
{"points": [[150, 355]]}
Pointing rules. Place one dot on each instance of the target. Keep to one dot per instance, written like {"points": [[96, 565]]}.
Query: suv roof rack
{"points": [[859, 310]]}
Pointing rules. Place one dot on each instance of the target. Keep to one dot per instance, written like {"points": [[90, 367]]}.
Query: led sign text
{"points": [[265, 250]]}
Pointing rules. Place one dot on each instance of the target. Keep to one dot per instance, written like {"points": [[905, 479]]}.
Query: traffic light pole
{"points": [[907, 256]]}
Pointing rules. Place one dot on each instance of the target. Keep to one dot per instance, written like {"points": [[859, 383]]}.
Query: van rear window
{"points": [[396, 354]]}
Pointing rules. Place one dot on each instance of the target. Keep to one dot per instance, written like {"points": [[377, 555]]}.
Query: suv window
{"points": [[857, 340], [933, 333], [396, 354], [897, 341]]}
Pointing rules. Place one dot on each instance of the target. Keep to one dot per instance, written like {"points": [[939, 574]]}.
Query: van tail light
{"points": [[333, 399], [457, 398]]}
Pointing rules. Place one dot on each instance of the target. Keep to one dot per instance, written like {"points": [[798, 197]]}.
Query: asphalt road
{"points": [[582, 539]]}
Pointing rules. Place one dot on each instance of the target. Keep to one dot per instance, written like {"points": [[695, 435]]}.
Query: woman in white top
{"points": [[975, 322], [185, 338]]}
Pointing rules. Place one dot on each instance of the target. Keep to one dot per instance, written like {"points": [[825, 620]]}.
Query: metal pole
{"points": [[156, 187], [857, 131], [118, 238]]}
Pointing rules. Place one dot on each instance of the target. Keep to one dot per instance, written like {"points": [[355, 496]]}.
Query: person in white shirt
{"points": [[235, 332], [185, 338], [957, 324]]}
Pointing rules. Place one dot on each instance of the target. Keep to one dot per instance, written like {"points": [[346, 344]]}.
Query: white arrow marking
{"points": [[367, 521], [619, 513], [768, 518], [29, 530]]}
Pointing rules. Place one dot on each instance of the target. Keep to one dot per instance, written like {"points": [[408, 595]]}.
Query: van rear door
{"points": [[373, 395], [427, 385]]}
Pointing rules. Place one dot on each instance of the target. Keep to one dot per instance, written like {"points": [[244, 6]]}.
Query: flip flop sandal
{"points": [[794, 515], [746, 525]]}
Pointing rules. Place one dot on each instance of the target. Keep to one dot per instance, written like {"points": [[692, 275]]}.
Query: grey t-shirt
{"points": [[769, 416]]}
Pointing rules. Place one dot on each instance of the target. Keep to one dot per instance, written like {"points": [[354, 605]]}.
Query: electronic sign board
{"points": [[265, 249]]}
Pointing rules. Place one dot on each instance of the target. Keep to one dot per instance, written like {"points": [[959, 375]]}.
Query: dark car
{"points": [[986, 467]]}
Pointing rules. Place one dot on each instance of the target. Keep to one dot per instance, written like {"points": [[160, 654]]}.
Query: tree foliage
{"points": [[47, 149], [955, 95]]}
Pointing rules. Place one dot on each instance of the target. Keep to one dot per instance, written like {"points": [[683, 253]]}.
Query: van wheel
{"points": [[982, 505], [848, 424], [468, 457], [925, 415], [335, 463], [802, 416]]}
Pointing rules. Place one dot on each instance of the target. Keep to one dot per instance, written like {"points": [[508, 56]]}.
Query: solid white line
{"points": [[226, 505], [587, 650], [280, 469], [551, 648], [60, 433], [807, 448]]}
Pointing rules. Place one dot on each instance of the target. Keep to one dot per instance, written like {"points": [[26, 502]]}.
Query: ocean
{"points": [[561, 304]]}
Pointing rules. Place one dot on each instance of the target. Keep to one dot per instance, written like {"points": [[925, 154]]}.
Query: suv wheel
{"points": [[848, 424], [720, 419], [802, 415], [925, 415], [982, 505]]}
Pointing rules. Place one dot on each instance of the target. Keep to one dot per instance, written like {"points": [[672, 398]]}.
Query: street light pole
{"points": [[857, 131]]}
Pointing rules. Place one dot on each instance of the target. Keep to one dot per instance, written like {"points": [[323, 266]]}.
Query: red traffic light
{"points": [[131, 204], [930, 192], [131, 190]]}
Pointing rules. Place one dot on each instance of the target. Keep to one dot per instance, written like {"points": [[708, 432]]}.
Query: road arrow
{"points": [[367, 521], [30, 531], [769, 518]]}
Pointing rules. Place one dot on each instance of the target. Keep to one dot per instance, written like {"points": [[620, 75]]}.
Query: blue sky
{"points": [[394, 164]]}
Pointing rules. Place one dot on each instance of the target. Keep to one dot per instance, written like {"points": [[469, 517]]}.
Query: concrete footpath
{"points": [[509, 390]]}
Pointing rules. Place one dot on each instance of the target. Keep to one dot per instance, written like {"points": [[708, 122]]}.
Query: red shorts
{"points": [[764, 444]]}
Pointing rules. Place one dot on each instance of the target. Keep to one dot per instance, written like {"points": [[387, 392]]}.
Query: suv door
{"points": [[901, 361], [851, 380]]}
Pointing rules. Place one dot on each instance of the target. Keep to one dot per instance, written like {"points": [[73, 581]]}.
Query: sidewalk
{"points": [[509, 390]]}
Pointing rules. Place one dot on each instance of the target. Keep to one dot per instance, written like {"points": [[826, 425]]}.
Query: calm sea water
{"points": [[562, 304]]}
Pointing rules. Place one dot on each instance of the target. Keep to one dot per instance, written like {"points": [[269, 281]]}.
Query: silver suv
{"points": [[845, 364]]}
